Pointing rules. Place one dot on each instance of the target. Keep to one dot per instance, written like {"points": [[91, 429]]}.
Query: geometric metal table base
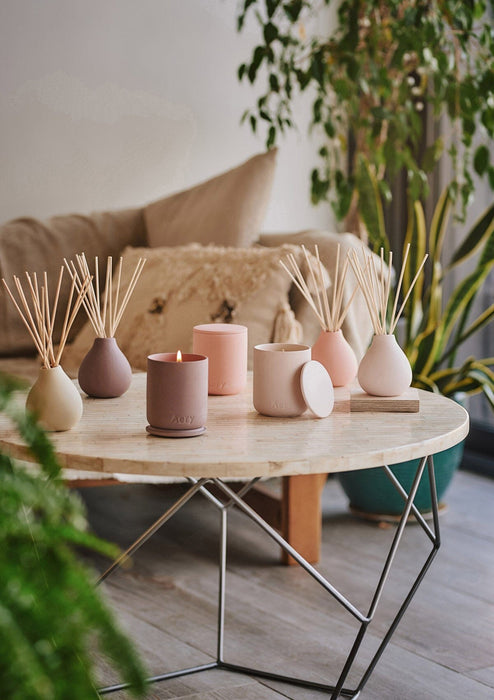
{"points": [[235, 499]]}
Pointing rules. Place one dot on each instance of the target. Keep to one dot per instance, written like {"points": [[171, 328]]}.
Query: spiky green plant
{"points": [[51, 614]]}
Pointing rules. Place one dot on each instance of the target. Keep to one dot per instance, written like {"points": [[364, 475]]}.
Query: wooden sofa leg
{"points": [[301, 518]]}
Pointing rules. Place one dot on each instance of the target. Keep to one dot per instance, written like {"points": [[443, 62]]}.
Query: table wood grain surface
{"points": [[111, 437]]}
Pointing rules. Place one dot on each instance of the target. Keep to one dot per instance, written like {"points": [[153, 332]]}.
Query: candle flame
{"points": [[179, 356]]}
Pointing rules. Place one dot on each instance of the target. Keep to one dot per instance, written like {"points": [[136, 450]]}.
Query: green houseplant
{"points": [[51, 616], [432, 334], [386, 64]]}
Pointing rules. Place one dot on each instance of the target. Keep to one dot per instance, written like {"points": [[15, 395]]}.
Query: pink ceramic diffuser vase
{"points": [[105, 371], [384, 369], [334, 352]]}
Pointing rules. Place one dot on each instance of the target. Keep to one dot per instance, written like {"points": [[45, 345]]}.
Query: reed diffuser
{"points": [[331, 348], [105, 371], [53, 397], [384, 369]]}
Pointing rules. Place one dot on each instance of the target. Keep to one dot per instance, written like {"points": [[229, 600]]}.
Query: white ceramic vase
{"points": [[55, 400], [334, 352], [384, 369]]}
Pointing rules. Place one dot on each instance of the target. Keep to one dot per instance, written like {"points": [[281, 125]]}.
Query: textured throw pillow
{"points": [[181, 287], [39, 246], [227, 210]]}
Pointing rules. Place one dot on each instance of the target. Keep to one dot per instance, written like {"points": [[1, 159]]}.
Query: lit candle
{"points": [[176, 394]]}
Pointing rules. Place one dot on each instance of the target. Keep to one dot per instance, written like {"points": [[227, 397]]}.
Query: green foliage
{"points": [[435, 328], [373, 78], [51, 614]]}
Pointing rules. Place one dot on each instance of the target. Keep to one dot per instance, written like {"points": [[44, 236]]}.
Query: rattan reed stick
{"points": [[39, 318]]}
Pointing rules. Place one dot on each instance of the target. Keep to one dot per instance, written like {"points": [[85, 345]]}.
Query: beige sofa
{"points": [[28, 244]]}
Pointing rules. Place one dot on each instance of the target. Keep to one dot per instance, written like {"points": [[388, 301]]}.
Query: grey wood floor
{"points": [[278, 618]]}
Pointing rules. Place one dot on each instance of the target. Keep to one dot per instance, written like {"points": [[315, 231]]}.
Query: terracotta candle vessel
{"points": [[177, 394], [55, 399]]}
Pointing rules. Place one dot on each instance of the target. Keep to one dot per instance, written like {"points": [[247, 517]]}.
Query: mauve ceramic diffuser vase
{"points": [[105, 371], [384, 369], [55, 399], [334, 352]]}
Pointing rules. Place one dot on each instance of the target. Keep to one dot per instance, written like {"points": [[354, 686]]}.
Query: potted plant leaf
{"points": [[51, 615], [387, 68]]}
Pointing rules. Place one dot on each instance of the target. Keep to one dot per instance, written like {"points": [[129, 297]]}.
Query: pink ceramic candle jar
{"points": [[277, 370], [225, 346], [177, 394]]}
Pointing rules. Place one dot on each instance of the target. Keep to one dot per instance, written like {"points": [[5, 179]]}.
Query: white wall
{"points": [[113, 103]]}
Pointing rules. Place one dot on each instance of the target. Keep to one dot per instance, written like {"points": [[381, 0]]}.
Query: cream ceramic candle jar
{"points": [[177, 394], [277, 375], [225, 346]]}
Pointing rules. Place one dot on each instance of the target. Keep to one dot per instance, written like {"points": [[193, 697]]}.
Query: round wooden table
{"points": [[111, 438], [239, 443]]}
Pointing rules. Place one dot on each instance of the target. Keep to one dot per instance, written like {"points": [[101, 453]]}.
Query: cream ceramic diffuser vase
{"points": [[55, 400], [384, 370], [331, 349]]}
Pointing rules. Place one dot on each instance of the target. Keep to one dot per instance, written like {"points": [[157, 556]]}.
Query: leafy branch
{"points": [[387, 64], [50, 612]]}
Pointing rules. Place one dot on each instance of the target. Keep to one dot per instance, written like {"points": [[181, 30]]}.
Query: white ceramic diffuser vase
{"points": [[384, 369], [335, 353], [55, 400]]}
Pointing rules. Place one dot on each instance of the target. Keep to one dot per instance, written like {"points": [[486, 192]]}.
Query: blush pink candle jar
{"points": [[176, 394], [277, 376], [225, 346]]}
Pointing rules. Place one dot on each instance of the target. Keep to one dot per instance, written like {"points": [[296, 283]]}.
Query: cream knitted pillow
{"points": [[183, 286]]}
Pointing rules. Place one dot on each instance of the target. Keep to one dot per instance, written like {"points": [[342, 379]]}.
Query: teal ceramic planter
{"points": [[371, 491]]}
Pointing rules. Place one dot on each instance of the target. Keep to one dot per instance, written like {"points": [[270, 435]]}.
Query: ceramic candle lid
{"points": [[317, 388], [220, 328]]}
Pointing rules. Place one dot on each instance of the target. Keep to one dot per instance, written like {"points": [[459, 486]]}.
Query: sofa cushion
{"points": [[357, 326], [183, 286], [227, 210], [39, 246]]}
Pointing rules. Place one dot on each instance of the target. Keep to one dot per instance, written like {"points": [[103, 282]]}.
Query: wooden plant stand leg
{"points": [[301, 517]]}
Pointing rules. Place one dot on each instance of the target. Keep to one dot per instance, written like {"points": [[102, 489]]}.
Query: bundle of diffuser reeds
{"points": [[39, 317], [104, 308], [375, 282], [328, 308]]}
